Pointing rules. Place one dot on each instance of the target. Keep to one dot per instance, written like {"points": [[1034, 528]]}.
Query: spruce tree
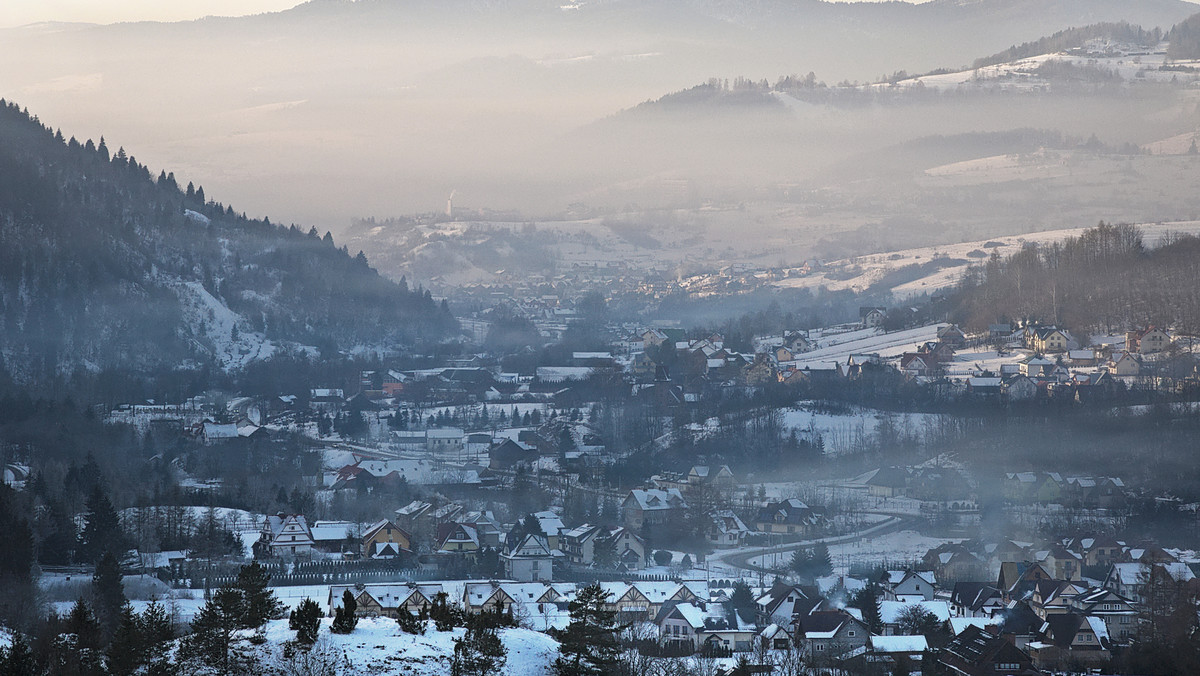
{"points": [[108, 594], [78, 648], [101, 527], [305, 620], [589, 643], [478, 652], [156, 630], [867, 600], [18, 660], [344, 618], [822, 561], [211, 639], [125, 651], [260, 602]]}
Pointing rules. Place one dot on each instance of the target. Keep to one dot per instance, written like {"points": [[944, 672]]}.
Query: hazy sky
{"points": [[20, 12]]}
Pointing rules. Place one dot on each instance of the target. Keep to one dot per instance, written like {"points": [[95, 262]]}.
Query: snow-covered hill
{"points": [[914, 272], [378, 647]]}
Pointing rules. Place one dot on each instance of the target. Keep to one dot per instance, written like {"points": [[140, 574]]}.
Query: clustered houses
{"points": [[292, 536], [1071, 491], [1042, 610]]}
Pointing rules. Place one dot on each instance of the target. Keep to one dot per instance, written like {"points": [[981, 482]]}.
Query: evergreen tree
{"points": [[305, 620], [77, 650], [107, 592], [867, 600], [101, 526], [589, 643], [156, 630], [260, 602], [211, 639], [125, 651], [822, 561], [477, 653], [742, 598], [344, 618], [604, 552], [18, 660]]}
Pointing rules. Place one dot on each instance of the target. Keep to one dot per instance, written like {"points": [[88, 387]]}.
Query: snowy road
{"points": [[740, 558]]}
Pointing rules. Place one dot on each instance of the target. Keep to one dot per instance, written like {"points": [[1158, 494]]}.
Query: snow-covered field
{"points": [[1022, 75], [842, 432], [892, 549], [953, 259], [377, 646]]}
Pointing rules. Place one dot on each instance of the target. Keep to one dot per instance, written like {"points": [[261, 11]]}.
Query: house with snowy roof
{"points": [[783, 602], [215, 433], [387, 599], [652, 506], [909, 583], [457, 538], [1124, 364], [1130, 580], [827, 636], [285, 535], [1070, 641], [1118, 613], [887, 650], [976, 599], [1147, 341], [385, 540], [531, 560], [980, 651], [726, 530], [788, 517]]}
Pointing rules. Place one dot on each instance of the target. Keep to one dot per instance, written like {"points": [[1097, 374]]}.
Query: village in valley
{"points": [[797, 534]]}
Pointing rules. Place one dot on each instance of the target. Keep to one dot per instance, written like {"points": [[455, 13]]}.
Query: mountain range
{"points": [[384, 107]]}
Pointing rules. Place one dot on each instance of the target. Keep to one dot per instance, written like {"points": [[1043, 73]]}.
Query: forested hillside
{"points": [[1107, 279], [104, 267]]}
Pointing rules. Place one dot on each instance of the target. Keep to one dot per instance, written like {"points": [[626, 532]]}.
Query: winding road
{"points": [[740, 558]]}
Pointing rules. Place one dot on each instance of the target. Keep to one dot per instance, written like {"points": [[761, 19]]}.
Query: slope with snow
{"points": [[944, 265], [378, 647]]}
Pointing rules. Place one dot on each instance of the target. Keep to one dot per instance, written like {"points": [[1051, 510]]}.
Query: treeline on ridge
{"points": [[96, 256]]}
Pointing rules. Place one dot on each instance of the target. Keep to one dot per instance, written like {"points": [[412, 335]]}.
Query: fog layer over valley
{"points": [[336, 110]]}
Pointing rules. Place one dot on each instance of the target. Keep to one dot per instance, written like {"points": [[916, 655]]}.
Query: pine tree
{"points": [[108, 594], [260, 602], [305, 620], [742, 598], [867, 600], [344, 618], [101, 527], [212, 629], [125, 651], [156, 630], [478, 652], [822, 561], [604, 552], [18, 660], [589, 643], [78, 648]]}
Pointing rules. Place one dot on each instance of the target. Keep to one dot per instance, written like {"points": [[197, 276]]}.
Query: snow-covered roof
{"points": [[651, 499], [1099, 628], [959, 624], [331, 531], [691, 614], [899, 644]]}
